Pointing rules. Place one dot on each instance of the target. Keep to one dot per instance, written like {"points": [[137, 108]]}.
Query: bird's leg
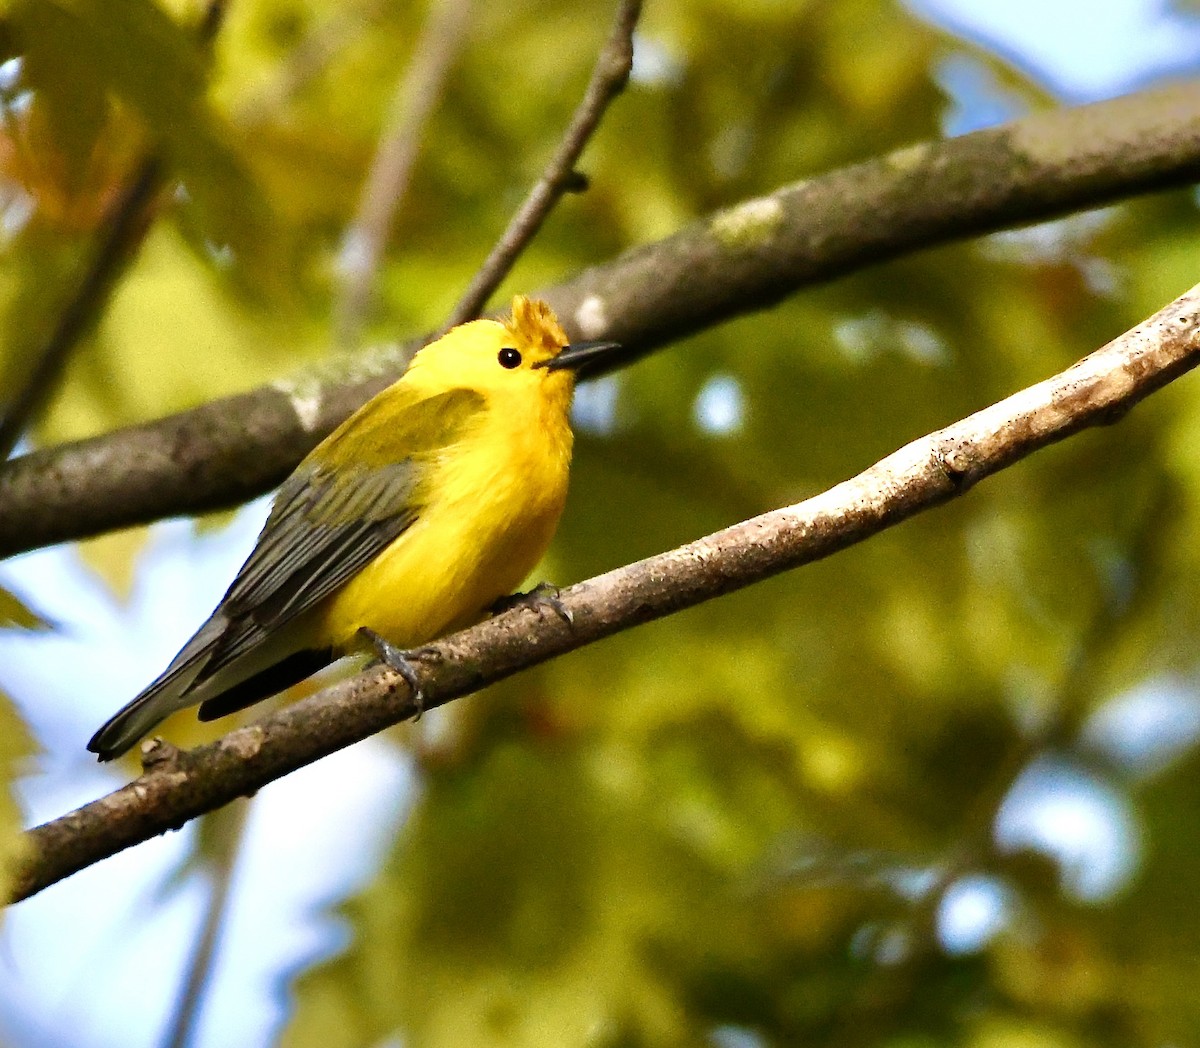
{"points": [[401, 660], [543, 595]]}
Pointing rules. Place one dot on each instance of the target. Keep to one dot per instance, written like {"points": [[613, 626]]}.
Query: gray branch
{"points": [[732, 262], [178, 786], [415, 98]]}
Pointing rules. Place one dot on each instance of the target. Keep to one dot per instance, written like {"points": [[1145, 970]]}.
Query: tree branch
{"points": [[1097, 390], [609, 77], [230, 835], [121, 232], [729, 263], [415, 97]]}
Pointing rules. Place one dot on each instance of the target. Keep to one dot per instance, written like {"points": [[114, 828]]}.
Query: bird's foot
{"points": [[401, 661], [543, 595]]}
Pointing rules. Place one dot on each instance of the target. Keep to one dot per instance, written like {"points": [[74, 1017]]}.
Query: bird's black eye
{"points": [[509, 357]]}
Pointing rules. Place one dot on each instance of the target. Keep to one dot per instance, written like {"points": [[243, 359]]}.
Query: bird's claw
{"points": [[543, 595], [401, 661]]}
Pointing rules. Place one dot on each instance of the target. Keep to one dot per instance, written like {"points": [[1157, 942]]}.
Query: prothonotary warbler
{"points": [[420, 511]]}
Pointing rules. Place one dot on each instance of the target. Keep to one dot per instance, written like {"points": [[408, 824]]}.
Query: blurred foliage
{"points": [[739, 822], [16, 614], [15, 749]]}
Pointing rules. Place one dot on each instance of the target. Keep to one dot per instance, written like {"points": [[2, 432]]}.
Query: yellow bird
{"points": [[418, 513]]}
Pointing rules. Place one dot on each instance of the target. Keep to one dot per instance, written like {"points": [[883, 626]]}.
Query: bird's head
{"points": [[528, 352]]}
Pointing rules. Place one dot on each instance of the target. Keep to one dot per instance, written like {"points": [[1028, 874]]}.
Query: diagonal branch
{"points": [[413, 102], [1097, 390], [729, 263], [185, 1016], [122, 230], [609, 77]]}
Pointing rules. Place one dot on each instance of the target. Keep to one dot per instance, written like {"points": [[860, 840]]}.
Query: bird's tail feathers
{"points": [[203, 673], [176, 689], [172, 691]]}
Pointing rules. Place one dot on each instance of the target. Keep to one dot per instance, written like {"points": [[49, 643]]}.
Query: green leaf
{"points": [[131, 51], [16, 747], [16, 614]]}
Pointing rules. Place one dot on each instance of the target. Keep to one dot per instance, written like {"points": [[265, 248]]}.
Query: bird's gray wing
{"points": [[327, 524]]}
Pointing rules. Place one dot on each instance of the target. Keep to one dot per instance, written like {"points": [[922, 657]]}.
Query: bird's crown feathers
{"points": [[533, 323]]}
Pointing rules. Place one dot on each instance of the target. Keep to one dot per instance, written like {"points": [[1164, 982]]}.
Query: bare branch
{"points": [[415, 98], [609, 77], [927, 472], [737, 260], [121, 232], [231, 834]]}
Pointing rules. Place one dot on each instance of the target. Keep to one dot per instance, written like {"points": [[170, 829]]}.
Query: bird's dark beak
{"points": [[577, 354]]}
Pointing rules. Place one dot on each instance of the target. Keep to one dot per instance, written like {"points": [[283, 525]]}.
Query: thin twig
{"points": [[416, 96], [230, 836], [123, 228], [728, 263], [609, 77], [925, 473]]}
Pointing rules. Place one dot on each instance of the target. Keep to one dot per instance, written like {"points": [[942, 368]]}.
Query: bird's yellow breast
{"points": [[490, 504]]}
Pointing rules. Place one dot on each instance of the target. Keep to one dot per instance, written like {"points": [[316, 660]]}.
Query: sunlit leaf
{"points": [[16, 747], [16, 614]]}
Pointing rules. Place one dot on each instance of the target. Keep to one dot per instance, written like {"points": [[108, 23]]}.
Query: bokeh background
{"points": [[941, 789]]}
